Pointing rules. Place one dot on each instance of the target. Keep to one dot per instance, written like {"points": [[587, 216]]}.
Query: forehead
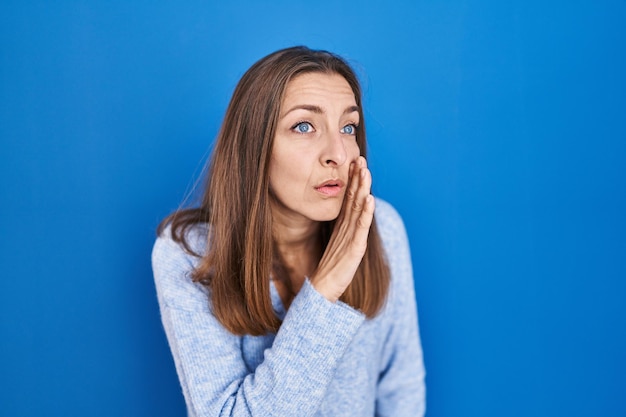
{"points": [[318, 87]]}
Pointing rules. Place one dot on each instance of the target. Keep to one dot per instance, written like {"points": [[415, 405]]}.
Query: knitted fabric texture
{"points": [[327, 359]]}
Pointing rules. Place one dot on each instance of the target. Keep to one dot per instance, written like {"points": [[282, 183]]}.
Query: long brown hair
{"points": [[236, 201]]}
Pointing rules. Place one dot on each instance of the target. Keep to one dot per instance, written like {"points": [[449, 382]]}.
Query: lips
{"points": [[330, 188]]}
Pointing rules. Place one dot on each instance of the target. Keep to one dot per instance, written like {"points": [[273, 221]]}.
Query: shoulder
{"points": [[390, 226], [167, 248], [172, 266], [396, 246], [386, 214]]}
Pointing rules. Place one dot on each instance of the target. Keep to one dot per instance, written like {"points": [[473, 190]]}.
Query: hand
{"points": [[348, 241]]}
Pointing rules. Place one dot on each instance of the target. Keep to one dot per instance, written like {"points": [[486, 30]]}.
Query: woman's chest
{"points": [[352, 390]]}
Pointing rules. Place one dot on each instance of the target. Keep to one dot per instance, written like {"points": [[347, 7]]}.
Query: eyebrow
{"points": [[318, 110]]}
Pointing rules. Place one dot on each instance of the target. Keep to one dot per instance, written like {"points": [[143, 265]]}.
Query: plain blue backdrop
{"points": [[497, 129]]}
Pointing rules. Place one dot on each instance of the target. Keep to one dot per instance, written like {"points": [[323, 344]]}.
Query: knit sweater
{"points": [[327, 359]]}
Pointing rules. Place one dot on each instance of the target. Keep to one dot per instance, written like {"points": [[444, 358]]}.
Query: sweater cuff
{"points": [[325, 326]]}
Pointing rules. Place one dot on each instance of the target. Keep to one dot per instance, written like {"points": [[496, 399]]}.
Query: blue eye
{"points": [[349, 129], [303, 127]]}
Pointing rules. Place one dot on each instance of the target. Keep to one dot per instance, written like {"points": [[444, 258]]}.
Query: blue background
{"points": [[497, 130]]}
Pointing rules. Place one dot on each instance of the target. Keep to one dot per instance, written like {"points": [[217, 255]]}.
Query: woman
{"points": [[281, 295]]}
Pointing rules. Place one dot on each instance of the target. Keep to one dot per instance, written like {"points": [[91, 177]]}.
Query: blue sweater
{"points": [[327, 359]]}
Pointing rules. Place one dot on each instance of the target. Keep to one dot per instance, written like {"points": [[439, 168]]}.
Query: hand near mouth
{"points": [[348, 241]]}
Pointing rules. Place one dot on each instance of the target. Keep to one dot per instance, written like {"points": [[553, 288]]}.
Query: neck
{"points": [[298, 243]]}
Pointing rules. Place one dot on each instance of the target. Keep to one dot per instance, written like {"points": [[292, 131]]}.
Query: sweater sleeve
{"points": [[401, 388], [295, 372]]}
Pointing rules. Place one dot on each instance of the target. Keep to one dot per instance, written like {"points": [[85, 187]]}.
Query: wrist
{"points": [[326, 289]]}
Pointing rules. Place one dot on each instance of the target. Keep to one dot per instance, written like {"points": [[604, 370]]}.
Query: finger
{"points": [[363, 224], [365, 183], [353, 185], [351, 189], [363, 190]]}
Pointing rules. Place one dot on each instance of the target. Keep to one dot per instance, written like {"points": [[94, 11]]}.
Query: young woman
{"points": [[280, 294]]}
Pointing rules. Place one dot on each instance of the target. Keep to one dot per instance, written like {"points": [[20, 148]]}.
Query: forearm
{"points": [[293, 376]]}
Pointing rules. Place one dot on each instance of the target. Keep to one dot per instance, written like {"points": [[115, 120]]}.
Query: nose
{"points": [[334, 152]]}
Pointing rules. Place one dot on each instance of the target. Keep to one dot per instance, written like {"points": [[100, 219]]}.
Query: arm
{"points": [[401, 388], [291, 380], [295, 372]]}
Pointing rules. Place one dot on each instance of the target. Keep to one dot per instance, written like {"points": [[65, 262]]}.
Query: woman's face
{"points": [[314, 145]]}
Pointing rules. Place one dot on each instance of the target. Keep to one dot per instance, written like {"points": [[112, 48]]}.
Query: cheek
{"points": [[353, 150], [285, 169]]}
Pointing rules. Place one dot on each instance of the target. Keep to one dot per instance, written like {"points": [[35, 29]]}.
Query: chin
{"points": [[326, 218], [328, 214]]}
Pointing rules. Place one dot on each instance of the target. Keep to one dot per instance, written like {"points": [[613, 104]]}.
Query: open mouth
{"points": [[330, 188]]}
